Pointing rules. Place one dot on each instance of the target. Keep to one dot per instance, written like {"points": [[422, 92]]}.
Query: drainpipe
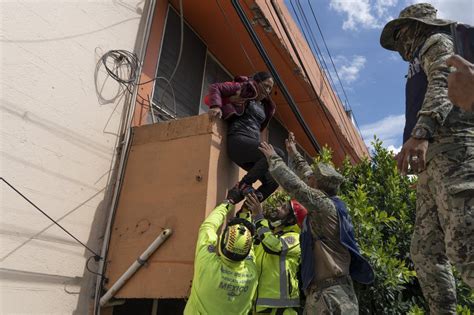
{"points": [[125, 147], [134, 267], [276, 76]]}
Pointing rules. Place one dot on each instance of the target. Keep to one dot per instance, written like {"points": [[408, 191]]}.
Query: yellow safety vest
{"points": [[220, 286], [278, 258]]}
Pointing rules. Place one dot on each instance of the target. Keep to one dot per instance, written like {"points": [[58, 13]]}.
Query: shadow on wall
{"points": [[85, 302]]}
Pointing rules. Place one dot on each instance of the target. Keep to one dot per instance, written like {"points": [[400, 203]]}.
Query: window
{"points": [[277, 135], [214, 72], [197, 69]]}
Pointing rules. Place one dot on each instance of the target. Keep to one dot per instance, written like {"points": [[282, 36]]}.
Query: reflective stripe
{"points": [[283, 277], [278, 302], [262, 230]]}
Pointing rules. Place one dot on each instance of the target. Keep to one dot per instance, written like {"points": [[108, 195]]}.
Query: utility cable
{"points": [[96, 256], [322, 60], [332, 62], [323, 107], [328, 73], [329, 53]]}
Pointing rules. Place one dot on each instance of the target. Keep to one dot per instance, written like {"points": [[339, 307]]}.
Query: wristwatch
{"points": [[420, 133]]}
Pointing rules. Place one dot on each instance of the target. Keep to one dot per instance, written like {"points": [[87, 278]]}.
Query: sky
{"points": [[373, 78]]}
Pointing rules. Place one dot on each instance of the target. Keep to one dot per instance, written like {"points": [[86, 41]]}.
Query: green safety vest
{"points": [[278, 259], [220, 286]]}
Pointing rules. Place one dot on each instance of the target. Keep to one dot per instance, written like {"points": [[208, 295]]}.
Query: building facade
{"points": [[96, 155]]}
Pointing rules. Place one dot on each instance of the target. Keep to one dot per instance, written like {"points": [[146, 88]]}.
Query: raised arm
{"points": [[208, 230], [311, 198], [297, 162]]}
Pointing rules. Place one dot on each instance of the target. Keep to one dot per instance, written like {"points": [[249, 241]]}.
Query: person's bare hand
{"points": [[413, 153], [215, 112], [291, 144], [252, 203], [461, 83], [267, 149]]}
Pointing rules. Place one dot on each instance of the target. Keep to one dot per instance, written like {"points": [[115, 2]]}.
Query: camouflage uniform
{"points": [[444, 227], [332, 292]]}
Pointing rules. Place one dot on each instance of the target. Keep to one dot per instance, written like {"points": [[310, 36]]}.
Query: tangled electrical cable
{"points": [[126, 66], [123, 66]]}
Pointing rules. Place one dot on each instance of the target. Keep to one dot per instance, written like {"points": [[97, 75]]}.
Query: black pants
{"points": [[244, 152]]}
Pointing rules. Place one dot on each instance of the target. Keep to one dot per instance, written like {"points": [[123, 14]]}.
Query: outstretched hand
{"points": [[291, 144], [253, 204], [267, 149]]}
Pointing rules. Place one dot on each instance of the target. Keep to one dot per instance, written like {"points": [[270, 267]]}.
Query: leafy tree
{"points": [[382, 206]]}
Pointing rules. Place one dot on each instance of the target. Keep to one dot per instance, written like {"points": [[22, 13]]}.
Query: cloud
{"points": [[349, 69], [389, 129], [358, 13], [373, 14], [456, 10], [394, 149], [367, 14]]}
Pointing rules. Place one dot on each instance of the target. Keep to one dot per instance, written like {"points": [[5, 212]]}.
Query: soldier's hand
{"points": [[413, 154], [267, 149], [252, 203], [291, 144]]}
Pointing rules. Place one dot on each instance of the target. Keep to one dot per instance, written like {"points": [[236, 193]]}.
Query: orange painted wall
{"points": [[232, 46], [176, 174]]}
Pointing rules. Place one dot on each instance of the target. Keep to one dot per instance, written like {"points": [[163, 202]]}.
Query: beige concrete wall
{"points": [[57, 144], [175, 176]]}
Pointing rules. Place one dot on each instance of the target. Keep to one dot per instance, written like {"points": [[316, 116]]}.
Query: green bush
{"points": [[382, 206]]}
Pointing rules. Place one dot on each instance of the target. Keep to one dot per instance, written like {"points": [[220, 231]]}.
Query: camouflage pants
{"points": [[444, 228], [338, 299]]}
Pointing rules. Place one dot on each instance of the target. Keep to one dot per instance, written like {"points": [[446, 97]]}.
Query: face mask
{"points": [[408, 40], [404, 42]]}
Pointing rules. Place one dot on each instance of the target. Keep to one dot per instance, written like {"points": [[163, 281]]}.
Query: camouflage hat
{"points": [[327, 177], [421, 12]]}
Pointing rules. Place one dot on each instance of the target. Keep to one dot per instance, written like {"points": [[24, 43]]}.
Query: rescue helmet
{"points": [[296, 213], [236, 240], [299, 211]]}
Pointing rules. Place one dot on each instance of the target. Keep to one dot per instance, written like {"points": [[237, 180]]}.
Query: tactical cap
{"points": [[421, 12], [327, 177]]}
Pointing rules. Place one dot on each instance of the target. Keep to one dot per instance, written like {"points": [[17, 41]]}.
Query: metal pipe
{"points": [[276, 76], [137, 264], [121, 166]]}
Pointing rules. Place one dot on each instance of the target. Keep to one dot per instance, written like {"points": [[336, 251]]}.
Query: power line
{"points": [[347, 106], [96, 256], [323, 62], [332, 62], [321, 58]]}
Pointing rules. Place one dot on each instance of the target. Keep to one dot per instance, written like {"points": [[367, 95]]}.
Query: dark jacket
{"points": [[223, 95], [360, 269]]}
